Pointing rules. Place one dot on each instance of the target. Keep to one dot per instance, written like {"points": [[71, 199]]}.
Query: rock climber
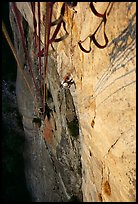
{"points": [[67, 81]]}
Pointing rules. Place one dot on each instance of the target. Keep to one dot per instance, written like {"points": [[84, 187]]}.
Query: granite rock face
{"points": [[97, 161]]}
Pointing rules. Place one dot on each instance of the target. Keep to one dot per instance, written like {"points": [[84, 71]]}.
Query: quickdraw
{"points": [[92, 37]]}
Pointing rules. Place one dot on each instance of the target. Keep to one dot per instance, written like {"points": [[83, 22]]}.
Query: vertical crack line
{"points": [[113, 144]]}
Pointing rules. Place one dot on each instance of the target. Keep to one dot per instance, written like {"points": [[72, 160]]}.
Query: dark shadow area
{"points": [[9, 68], [13, 177], [14, 187], [74, 199]]}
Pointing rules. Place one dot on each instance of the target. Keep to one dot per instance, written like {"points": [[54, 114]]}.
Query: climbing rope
{"points": [[48, 17], [4, 30], [18, 20], [39, 48]]}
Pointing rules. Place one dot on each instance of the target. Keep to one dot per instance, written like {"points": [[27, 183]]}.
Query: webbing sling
{"points": [[92, 37], [59, 22]]}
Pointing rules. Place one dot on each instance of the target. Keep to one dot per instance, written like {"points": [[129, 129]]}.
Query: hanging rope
{"points": [[48, 12], [57, 22], [4, 30], [18, 20], [34, 22], [39, 48]]}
